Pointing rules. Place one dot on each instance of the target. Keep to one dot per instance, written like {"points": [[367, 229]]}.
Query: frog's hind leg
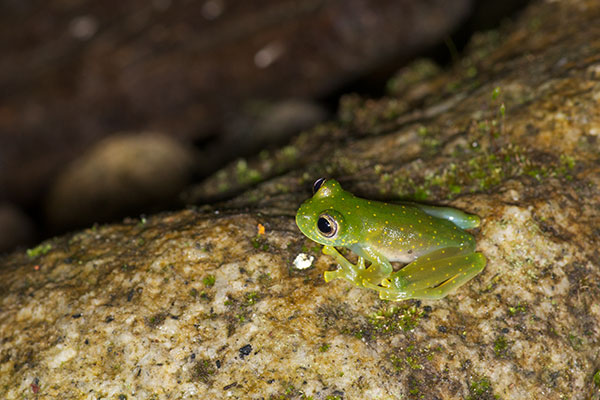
{"points": [[455, 281], [347, 270], [437, 274], [432, 276]]}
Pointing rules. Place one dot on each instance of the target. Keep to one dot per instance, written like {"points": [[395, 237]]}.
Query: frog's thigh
{"points": [[477, 262], [440, 267]]}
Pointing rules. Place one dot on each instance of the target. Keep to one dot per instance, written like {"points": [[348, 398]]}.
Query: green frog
{"points": [[439, 255]]}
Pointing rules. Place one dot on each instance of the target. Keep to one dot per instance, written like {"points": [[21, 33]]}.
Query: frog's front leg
{"points": [[379, 269], [432, 276], [347, 270]]}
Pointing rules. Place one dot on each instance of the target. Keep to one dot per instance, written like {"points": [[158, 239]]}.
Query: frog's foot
{"points": [[390, 289], [348, 271]]}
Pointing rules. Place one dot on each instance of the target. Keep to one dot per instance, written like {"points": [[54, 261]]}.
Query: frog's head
{"points": [[321, 219]]}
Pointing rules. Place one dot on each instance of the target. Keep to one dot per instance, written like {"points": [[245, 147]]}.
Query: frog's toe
{"points": [[386, 293], [369, 285], [377, 284], [331, 275]]}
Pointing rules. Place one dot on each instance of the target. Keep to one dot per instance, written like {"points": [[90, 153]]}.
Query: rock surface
{"points": [[206, 303]]}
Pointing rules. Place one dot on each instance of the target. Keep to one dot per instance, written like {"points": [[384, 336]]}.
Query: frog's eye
{"points": [[317, 185], [327, 225]]}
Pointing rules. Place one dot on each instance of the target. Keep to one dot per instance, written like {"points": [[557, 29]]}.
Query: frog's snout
{"points": [[301, 217]]}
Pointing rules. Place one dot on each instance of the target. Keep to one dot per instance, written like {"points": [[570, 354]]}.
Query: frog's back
{"points": [[405, 232]]}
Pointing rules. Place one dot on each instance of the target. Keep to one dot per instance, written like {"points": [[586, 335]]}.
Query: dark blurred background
{"points": [[112, 108]]}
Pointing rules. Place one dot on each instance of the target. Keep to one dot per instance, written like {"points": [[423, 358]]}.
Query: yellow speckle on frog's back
{"points": [[429, 239]]}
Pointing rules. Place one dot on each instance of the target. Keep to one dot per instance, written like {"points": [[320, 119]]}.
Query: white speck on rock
{"points": [[303, 261]]}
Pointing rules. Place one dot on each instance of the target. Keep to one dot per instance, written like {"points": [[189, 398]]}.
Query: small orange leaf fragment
{"points": [[261, 229]]}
